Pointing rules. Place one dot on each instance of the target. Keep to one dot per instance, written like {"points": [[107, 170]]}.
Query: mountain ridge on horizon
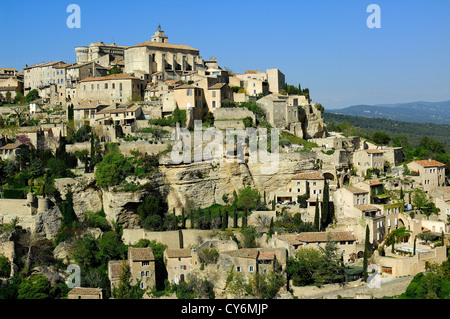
{"points": [[417, 112]]}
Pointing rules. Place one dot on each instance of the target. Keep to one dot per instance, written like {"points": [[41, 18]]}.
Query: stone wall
{"points": [[190, 237]]}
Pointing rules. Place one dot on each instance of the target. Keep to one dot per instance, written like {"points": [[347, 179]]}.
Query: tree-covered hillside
{"points": [[413, 131]]}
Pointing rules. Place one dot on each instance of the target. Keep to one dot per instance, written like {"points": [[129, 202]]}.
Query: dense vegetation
{"points": [[412, 131]]}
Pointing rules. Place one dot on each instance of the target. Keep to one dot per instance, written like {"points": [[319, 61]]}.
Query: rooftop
{"points": [[429, 163], [164, 45], [356, 190], [119, 76], [140, 254], [179, 252], [309, 175]]}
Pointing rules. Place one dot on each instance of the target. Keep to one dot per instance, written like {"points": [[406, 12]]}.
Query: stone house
{"points": [[118, 115], [178, 263], [11, 150], [40, 77], [280, 112], [106, 55], [345, 241], [11, 85], [442, 201], [368, 159], [142, 266], [114, 271], [158, 55], [248, 261], [6, 73], [115, 88], [85, 293], [431, 174], [74, 73], [84, 113]]}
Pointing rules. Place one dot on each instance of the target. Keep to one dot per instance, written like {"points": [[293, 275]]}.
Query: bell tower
{"points": [[160, 36]]}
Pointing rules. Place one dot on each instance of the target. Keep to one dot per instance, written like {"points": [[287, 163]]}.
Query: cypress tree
{"points": [[265, 203], [271, 232], [414, 248], [317, 217], [325, 205], [225, 218], [191, 217], [209, 218], [244, 220], [183, 219], [273, 202], [366, 254], [235, 219], [175, 220]]}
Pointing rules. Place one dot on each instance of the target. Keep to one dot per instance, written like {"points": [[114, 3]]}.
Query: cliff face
{"points": [[196, 184], [206, 183]]}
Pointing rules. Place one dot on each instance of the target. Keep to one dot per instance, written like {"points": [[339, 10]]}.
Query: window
{"points": [[189, 92], [213, 93], [238, 269], [251, 269], [145, 263], [106, 86]]}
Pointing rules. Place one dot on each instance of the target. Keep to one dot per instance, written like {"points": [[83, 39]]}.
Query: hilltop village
{"points": [[88, 183]]}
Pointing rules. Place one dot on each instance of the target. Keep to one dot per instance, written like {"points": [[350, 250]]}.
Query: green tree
{"points": [[125, 289], [151, 213], [248, 199], [381, 138], [326, 211], [366, 253], [5, 267], [317, 217], [32, 96], [112, 170], [35, 287]]}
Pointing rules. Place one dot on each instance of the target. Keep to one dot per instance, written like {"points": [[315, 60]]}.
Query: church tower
{"points": [[160, 36]]}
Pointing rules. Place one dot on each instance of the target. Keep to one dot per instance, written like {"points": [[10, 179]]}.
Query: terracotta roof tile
{"points": [[429, 163], [356, 190], [317, 175], [140, 254], [179, 252]]}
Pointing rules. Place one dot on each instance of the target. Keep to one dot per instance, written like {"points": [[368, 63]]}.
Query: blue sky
{"points": [[324, 45]]}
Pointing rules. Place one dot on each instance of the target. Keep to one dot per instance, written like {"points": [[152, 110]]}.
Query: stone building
{"points": [[40, 77], [431, 174], [85, 293], [11, 85], [178, 263], [363, 160], [158, 55], [107, 55], [115, 88], [280, 112], [345, 241], [142, 266], [6, 73]]}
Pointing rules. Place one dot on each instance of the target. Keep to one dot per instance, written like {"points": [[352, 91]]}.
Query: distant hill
{"points": [[414, 131], [417, 112]]}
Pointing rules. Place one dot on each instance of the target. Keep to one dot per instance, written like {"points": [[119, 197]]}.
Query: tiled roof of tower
{"points": [[164, 45]]}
